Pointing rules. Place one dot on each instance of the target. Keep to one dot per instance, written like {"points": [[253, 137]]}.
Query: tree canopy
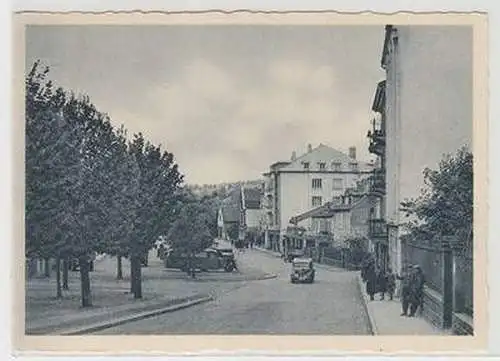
{"points": [[89, 188], [445, 205]]}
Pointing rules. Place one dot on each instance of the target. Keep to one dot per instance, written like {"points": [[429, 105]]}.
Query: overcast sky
{"points": [[226, 100]]}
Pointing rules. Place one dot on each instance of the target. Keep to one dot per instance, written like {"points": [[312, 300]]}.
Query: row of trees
{"points": [[91, 189]]}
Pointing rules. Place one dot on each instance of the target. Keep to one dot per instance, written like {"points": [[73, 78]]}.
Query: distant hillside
{"points": [[224, 188]]}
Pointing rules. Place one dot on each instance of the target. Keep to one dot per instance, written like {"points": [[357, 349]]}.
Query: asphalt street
{"points": [[330, 306]]}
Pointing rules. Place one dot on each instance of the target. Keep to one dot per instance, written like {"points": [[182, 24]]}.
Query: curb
{"points": [[372, 324], [136, 317], [237, 280], [270, 253], [267, 277]]}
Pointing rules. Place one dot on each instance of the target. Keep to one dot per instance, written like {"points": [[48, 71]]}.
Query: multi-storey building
{"points": [[344, 218], [377, 135], [251, 212], [305, 183], [427, 112]]}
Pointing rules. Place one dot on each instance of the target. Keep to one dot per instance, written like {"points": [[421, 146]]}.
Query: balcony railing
{"points": [[377, 142], [378, 228], [377, 139], [377, 182]]}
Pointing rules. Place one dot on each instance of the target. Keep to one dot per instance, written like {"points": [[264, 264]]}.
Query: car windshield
{"points": [[301, 264]]}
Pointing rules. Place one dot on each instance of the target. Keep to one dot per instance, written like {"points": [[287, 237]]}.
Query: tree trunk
{"points": [[85, 281], [135, 271], [58, 277], [119, 268], [132, 275], [46, 266], [65, 285], [192, 267]]}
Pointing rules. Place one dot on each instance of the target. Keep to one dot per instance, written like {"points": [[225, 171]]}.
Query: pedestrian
{"points": [[405, 290], [364, 266], [161, 251], [381, 283], [416, 290], [390, 280], [371, 280]]}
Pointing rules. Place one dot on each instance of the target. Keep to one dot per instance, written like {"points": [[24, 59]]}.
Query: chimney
{"points": [[309, 148], [352, 152], [294, 156]]}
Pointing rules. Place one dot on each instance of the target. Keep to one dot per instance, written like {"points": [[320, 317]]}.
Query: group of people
{"points": [[383, 281]]}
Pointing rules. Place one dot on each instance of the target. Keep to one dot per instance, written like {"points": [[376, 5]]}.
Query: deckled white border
{"points": [[350, 5]]}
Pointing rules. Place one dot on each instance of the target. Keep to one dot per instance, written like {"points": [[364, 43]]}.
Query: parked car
{"points": [[209, 259], [228, 258], [302, 270]]}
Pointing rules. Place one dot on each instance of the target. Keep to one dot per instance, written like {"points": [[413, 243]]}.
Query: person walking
{"points": [[390, 280], [416, 290], [365, 265], [405, 290], [381, 283], [371, 280]]}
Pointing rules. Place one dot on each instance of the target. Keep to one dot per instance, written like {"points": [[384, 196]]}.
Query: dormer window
{"points": [[322, 166], [354, 166], [306, 165], [337, 166]]}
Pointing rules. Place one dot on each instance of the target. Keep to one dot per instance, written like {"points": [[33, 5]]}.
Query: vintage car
{"points": [[209, 259], [292, 254], [228, 259], [302, 270]]}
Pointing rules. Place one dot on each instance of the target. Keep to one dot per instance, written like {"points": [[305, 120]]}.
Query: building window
{"points": [[354, 166], [322, 166], [306, 165], [337, 166], [316, 201], [316, 183], [338, 184]]}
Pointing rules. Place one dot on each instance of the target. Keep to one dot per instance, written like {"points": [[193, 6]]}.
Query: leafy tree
{"points": [[445, 206], [49, 163], [190, 232], [121, 188], [159, 179]]}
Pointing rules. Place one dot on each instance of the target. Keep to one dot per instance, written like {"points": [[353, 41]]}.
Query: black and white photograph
{"points": [[250, 179]]}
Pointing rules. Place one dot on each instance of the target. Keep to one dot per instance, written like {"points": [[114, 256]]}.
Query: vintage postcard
{"points": [[275, 183]]}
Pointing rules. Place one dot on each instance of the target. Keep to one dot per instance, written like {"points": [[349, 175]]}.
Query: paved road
{"points": [[332, 305]]}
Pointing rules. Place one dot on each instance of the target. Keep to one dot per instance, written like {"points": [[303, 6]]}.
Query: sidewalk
{"points": [[268, 251], [385, 317], [110, 297], [163, 289]]}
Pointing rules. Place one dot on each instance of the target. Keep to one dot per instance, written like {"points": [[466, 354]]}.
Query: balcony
{"points": [[377, 142], [377, 182], [378, 229]]}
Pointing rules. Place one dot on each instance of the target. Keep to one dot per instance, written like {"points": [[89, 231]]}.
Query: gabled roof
{"points": [[230, 214], [252, 197], [234, 196], [322, 153]]}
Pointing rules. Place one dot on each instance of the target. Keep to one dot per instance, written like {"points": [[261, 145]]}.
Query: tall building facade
{"points": [[428, 110], [377, 186]]}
